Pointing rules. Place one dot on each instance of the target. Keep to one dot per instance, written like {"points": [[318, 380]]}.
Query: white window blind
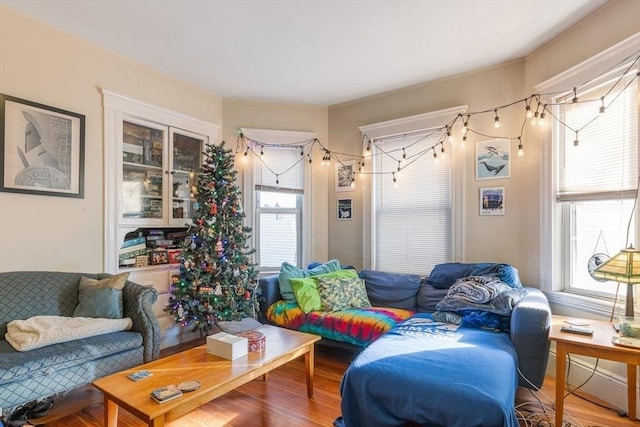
{"points": [[279, 168], [279, 186], [604, 163], [597, 177], [413, 215]]}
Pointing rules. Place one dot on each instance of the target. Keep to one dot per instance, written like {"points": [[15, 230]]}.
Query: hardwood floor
{"points": [[282, 402]]}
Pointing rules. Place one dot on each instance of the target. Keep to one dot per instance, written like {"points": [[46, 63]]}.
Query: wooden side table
{"points": [[598, 345]]}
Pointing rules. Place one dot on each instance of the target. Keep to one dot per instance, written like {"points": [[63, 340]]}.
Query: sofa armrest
{"points": [[270, 288], [138, 305], [529, 330]]}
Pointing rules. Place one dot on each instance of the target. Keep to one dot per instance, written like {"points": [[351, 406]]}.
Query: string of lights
{"points": [[535, 117]]}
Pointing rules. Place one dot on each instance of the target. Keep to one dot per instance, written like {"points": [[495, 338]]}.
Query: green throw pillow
{"points": [[306, 289], [289, 271], [101, 298], [342, 293]]}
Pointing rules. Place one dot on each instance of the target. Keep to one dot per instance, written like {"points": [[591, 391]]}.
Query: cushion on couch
{"points": [[428, 297], [101, 298], [306, 289], [395, 290], [444, 275], [289, 271], [342, 293]]}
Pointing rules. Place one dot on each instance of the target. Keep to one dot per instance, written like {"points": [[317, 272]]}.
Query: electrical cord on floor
{"points": [[546, 418], [620, 412]]}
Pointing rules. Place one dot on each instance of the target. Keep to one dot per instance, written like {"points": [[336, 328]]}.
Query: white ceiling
{"points": [[311, 51]]}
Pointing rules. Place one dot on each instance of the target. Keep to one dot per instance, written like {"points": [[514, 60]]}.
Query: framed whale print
{"points": [[493, 159]]}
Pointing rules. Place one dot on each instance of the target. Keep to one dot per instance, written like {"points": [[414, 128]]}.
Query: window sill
{"points": [[569, 304]]}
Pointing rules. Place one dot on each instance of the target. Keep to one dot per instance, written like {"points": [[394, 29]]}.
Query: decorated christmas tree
{"points": [[218, 280]]}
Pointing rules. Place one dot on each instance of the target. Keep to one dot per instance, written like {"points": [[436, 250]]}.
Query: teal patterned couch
{"points": [[58, 368]]}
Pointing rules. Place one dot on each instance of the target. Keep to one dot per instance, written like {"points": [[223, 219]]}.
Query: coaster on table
{"points": [[189, 386]]}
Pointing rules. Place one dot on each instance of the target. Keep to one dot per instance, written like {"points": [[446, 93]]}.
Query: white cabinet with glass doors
{"points": [[159, 173]]}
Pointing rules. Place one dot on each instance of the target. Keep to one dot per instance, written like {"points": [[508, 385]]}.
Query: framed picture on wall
{"points": [[492, 201], [493, 158], [41, 149], [345, 176], [345, 209]]}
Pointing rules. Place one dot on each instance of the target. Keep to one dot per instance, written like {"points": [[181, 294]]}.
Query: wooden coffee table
{"points": [[215, 374]]}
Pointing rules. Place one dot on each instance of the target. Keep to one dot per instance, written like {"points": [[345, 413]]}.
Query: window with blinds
{"points": [[279, 189], [411, 216], [596, 177]]}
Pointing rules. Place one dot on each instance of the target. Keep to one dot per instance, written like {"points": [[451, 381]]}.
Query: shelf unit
{"points": [[152, 160]]}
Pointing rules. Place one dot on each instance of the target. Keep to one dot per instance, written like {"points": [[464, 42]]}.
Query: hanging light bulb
{"points": [[404, 155], [395, 181], [246, 152], [309, 156], [353, 180], [435, 154], [496, 120], [449, 136], [543, 117], [602, 106], [262, 150], [529, 112], [520, 147], [277, 179], [465, 126], [575, 95], [301, 151], [399, 165], [442, 148], [576, 142]]}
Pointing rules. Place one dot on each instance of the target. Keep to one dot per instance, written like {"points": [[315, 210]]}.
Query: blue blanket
{"points": [[425, 373]]}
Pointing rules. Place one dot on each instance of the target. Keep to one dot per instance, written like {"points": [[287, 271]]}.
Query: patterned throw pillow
{"points": [[341, 293]]}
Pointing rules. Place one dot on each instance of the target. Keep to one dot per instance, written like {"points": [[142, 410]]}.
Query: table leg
{"points": [[309, 364], [110, 413], [631, 390], [157, 422], [561, 366]]}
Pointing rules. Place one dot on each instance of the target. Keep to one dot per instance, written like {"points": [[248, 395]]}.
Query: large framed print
{"points": [[493, 159], [41, 149]]}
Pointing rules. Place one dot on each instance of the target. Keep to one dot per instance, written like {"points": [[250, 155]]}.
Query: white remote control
{"points": [[577, 330]]}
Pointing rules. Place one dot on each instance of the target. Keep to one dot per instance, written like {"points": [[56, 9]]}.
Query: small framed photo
{"points": [[493, 159], [41, 149], [492, 201], [345, 209], [345, 176]]}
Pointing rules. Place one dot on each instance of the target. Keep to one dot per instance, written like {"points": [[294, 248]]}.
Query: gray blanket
{"points": [[483, 293]]}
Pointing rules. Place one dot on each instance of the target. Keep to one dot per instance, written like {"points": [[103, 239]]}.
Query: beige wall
{"points": [[43, 65], [514, 237], [306, 118]]}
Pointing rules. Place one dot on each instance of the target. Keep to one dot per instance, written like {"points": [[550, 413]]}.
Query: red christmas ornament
{"points": [[247, 295], [214, 209]]}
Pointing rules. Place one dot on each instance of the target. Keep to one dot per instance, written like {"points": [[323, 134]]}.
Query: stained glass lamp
{"points": [[624, 267]]}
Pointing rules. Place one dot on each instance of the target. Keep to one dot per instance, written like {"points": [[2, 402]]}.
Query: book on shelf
{"points": [[133, 248], [132, 242], [132, 254], [166, 393]]}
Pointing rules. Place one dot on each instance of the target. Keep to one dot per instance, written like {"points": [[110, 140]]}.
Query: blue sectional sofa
{"points": [[47, 371], [419, 372]]}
